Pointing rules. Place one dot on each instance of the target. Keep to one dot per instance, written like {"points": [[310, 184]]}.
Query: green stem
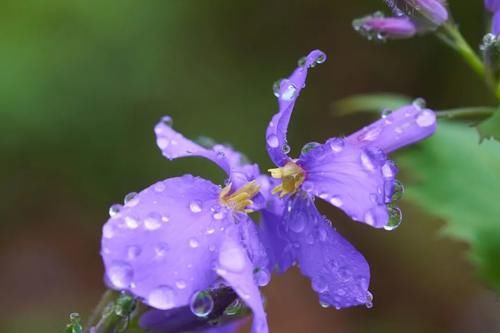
{"points": [[470, 112]]}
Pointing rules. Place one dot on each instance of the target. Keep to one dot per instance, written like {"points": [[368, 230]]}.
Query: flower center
{"points": [[242, 198], [292, 177]]}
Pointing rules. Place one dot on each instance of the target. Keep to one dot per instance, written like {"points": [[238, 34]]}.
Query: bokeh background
{"points": [[82, 84]]}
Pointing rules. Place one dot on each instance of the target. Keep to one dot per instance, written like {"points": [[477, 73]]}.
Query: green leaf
{"points": [[490, 128], [369, 103], [457, 179]]}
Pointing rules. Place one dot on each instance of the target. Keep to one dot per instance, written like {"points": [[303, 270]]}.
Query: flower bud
{"points": [[378, 27]]}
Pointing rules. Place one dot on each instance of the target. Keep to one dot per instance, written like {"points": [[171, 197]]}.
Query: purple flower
{"points": [[378, 27], [183, 235], [494, 7], [352, 174], [410, 17]]}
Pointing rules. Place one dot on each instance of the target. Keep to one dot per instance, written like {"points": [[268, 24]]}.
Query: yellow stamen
{"points": [[292, 177], [240, 199]]}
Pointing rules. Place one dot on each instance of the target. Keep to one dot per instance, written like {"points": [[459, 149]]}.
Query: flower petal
{"points": [[355, 179], [400, 128], [174, 145], [492, 5], [338, 272], [237, 270], [161, 246], [287, 92], [495, 25]]}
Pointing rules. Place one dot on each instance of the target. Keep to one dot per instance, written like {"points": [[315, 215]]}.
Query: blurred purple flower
{"points": [[181, 236], [494, 7], [378, 27], [410, 17], [352, 174]]}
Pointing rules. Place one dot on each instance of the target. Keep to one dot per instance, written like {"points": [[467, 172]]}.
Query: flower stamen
{"points": [[242, 198], [292, 177]]}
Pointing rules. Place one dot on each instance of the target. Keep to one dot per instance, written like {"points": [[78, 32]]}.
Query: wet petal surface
{"points": [[161, 245]]}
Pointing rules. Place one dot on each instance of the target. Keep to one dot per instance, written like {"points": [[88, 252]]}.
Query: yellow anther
{"points": [[240, 199], [292, 177]]}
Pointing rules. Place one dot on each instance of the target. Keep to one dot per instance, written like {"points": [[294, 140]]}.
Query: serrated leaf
{"points": [[490, 128], [369, 103], [458, 179]]}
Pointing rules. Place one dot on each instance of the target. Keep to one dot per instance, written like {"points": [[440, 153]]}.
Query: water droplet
{"points": [[426, 118], [419, 103], [367, 162], [108, 231], [321, 58], [288, 90], [120, 275], [165, 219], [219, 214], [161, 249], [395, 218], [285, 148], [324, 305], [319, 285], [369, 219], [131, 222], [201, 304], [194, 243], [302, 61], [181, 284], [369, 300], [159, 187], [167, 121], [385, 113], [398, 191], [210, 231], [262, 277], [277, 87], [233, 308], [389, 170], [336, 201], [114, 210], [308, 147], [297, 223], [133, 252], [131, 199], [370, 134], [336, 145], [195, 207], [161, 298], [152, 221], [273, 141], [232, 259]]}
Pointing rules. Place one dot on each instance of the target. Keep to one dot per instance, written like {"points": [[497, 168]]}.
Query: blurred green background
{"points": [[82, 84]]}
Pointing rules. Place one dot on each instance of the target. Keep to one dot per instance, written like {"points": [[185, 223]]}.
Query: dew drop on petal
{"points": [[167, 121], [108, 231], [161, 249], [152, 221], [308, 147], [426, 118], [159, 187], [219, 214], [398, 191], [120, 275], [201, 304], [297, 223], [273, 141], [288, 91], [180, 284], [367, 162], [308, 186], [319, 285], [369, 219], [195, 207], [324, 305], [336, 201], [276, 88], [115, 209], [262, 277], [385, 113], [131, 199], [369, 300], [232, 259], [336, 145], [161, 298], [194, 243], [233, 308], [419, 103], [133, 252], [131, 222], [389, 170], [285, 148], [395, 218]]}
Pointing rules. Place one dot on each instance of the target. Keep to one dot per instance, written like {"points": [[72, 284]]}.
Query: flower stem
{"points": [[479, 112]]}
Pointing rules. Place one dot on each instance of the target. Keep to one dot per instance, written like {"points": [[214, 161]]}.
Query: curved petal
{"points": [[400, 128], [355, 179], [174, 145], [338, 272], [161, 246], [287, 92], [237, 270], [495, 25]]}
